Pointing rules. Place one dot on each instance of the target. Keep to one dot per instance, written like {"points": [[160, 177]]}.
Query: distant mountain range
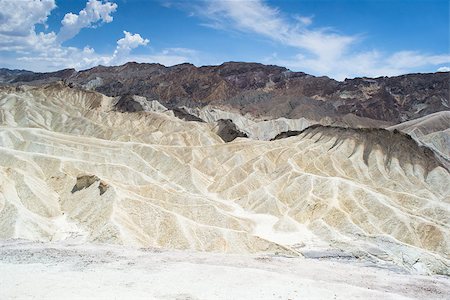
{"points": [[263, 91]]}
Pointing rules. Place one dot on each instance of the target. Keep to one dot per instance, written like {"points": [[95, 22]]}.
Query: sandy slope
{"points": [[56, 271], [71, 167]]}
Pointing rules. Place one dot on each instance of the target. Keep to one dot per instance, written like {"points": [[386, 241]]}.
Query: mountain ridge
{"points": [[264, 90]]}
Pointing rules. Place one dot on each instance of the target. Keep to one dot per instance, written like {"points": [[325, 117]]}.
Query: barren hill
{"points": [[74, 168]]}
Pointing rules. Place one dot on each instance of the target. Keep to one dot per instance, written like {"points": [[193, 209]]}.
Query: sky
{"points": [[340, 39]]}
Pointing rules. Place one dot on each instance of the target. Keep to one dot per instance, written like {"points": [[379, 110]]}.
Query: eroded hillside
{"points": [[73, 167]]}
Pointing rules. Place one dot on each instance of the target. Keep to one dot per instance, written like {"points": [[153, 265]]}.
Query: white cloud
{"points": [[321, 51], [443, 69], [172, 56], [59, 57], [413, 59], [22, 47], [95, 12], [71, 57], [124, 46], [17, 25], [17, 18], [370, 64], [130, 41], [258, 17]]}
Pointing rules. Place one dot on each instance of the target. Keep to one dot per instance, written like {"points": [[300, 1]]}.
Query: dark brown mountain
{"points": [[44, 77], [7, 75], [265, 90]]}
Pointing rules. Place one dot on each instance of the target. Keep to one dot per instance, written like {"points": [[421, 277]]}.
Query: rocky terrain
{"points": [[431, 130], [73, 166], [239, 173], [265, 91]]}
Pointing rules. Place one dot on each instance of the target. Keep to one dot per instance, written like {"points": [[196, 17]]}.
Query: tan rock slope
{"points": [[71, 168], [432, 130]]}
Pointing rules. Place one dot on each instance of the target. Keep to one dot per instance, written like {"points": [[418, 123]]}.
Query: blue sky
{"points": [[339, 39]]}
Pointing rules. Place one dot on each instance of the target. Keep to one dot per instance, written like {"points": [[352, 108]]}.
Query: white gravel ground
{"points": [[60, 271]]}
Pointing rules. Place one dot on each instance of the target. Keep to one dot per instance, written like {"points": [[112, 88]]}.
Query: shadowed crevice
{"points": [[182, 114]]}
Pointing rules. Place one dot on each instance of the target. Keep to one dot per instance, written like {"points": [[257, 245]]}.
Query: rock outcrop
{"points": [[228, 131], [127, 103]]}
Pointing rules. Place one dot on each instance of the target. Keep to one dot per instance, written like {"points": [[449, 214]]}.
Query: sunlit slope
{"points": [[71, 168], [432, 130], [77, 112]]}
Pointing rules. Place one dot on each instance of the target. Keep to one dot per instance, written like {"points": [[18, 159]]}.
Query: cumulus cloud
{"points": [[59, 57], [18, 18], [22, 47], [17, 25], [71, 57], [320, 51], [124, 46], [95, 12], [130, 41]]}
